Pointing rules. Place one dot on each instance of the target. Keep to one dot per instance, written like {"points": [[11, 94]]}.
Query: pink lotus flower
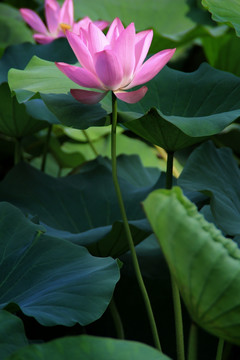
{"points": [[114, 62], [59, 19]]}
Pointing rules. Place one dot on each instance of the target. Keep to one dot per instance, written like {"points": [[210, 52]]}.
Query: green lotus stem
{"points": [[127, 228], [169, 172], [178, 320], [192, 342], [46, 147], [17, 151], [220, 349], [90, 143], [116, 319], [175, 291]]}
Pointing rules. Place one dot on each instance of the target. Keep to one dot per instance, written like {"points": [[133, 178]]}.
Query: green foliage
{"points": [[18, 56], [12, 28], [11, 333], [226, 12], [181, 109], [48, 278], [39, 76], [216, 173], [223, 52], [88, 347], [85, 204], [14, 119], [61, 243], [204, 264]]}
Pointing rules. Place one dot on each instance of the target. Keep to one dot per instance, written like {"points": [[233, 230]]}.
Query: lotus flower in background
{"points": [[114, 62], [58, 19]]}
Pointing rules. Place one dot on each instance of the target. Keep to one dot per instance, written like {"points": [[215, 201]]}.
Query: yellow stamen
{"points": [[65, 27]]}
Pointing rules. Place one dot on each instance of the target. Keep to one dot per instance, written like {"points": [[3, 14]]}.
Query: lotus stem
{"points": [[175, 291], [192, 342], [17, 151], [116, 319], [164, 156], [220, 349], [46, 147], [169, 172], [127, 228], [90, 143]]}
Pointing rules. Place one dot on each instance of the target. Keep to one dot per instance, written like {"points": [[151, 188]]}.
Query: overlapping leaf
{"points": [[225, 11], [89, 347], [85, 202], [50, 279], [38, 76], [205, 264], [41, 76], [11, 333], [222, 52], [181, 109], [178, 110], [18, 56], [215, 172], [14, 119], [188, 21]]}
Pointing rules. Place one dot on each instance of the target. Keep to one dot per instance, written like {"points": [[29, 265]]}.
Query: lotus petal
{"points": [[33, 20], [131, 97], [87, 97]]}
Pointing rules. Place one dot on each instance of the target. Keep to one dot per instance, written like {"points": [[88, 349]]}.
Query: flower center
{"points": [[65, 27]]}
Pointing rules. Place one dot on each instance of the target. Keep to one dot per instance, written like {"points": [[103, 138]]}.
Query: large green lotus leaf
{"points": [[44, 77], [71, 112], [188, 19], [107, 240], [222, 52], [180, 108], [147, 15], [14, 119], [39, 76], [86, 201], [161, 42], [18, 56], [11, 333], [230, 137], [37, 109], [216, 173], [52, 280], [205, 264], [225, 11], [89, 347], [12, 28]]}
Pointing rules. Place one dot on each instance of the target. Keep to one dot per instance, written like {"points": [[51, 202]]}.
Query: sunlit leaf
{"points": [[205, 264], [225, 11], [89, 347], [18, 56], [39, 76], [222, 52]]}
